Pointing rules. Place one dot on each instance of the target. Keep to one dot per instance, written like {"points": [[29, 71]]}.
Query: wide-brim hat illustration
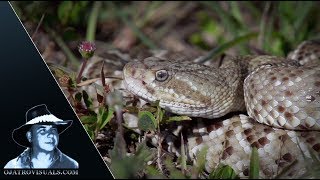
{"points": [[38, 115]]}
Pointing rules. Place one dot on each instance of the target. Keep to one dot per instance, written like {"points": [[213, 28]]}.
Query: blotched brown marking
{"points": [[263, 102], [229, 150], [273, 78], [150, 90], [288, 93], [250, 138], [256, 144], [255, 112], [310, 140], [236, 123], [288, 157], [218, 125], [199, 140], [227, 143], [133, 72], [292, 75], [267, 130], [263, 141], [299, 71], [281, 109], [224, 155], [288, 115], [285, 79], [302, 126], [282, 164], [316, 147], [230, 133], [210, 128], [247, 131], [144, 83]]}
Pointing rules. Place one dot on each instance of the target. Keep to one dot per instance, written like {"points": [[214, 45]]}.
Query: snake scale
{"points": [[278, 100]]}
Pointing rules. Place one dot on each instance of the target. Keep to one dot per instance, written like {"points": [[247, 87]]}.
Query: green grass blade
{"points": [[254, 164], [92, 21], [220, 49]]}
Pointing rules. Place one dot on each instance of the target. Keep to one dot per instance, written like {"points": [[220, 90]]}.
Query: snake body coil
{"points": [[280, 95]]}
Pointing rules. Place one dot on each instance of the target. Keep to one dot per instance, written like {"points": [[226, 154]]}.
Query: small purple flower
{"points": [[87, 49]]}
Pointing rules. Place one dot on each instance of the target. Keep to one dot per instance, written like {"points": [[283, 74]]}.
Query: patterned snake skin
{"points": [[280, 95]]}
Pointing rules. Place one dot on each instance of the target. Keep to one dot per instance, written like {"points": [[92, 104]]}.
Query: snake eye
{"points": [[162, 75]]}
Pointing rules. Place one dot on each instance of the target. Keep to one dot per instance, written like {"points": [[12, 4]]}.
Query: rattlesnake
{"points": [[281, 96]]}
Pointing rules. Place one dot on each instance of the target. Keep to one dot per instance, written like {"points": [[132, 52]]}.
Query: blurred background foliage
{"points": [[268, 27]]}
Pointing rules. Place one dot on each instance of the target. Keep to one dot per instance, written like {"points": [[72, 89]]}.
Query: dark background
{"points": [[25, 82]]}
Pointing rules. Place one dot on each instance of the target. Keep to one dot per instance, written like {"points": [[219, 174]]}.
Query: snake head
{"points": [[181, 87], [145, 78]]}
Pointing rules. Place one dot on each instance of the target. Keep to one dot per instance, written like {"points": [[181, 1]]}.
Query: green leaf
{"points": [[178, 118], [153, 173], [88, 119], [223, 172], [254, 164], [132, 109], [150, 109], [201, 159], [146, 121], [183, 155], [159, 114], [89, 131], [105, 117]]}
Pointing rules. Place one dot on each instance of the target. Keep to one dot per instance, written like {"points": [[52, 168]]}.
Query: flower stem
{"points": [[81, 70]]}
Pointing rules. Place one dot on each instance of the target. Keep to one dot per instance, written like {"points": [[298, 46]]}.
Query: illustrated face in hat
{"points": [[43, 137], [42, 128]]}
